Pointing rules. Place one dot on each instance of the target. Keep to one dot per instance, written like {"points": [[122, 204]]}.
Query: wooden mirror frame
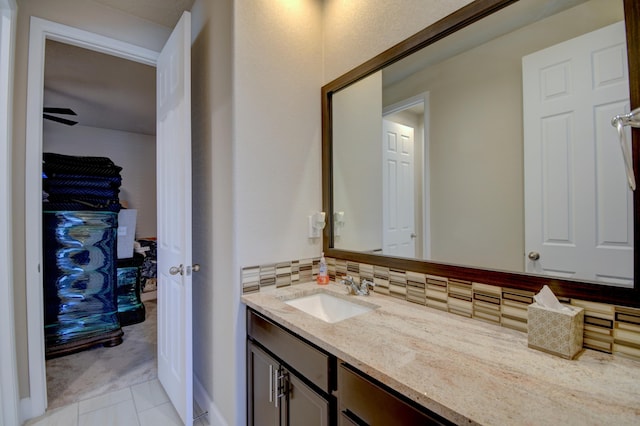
{"points": [[515, 280]]}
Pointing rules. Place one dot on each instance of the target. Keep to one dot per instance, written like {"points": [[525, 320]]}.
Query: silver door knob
{"points": [[413, 235], [195, 267], [533, 255], [175, 270]]}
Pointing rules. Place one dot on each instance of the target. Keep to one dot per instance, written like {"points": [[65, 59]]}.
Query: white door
{"points": [[578, 208], [398, 217], [175, 365]]}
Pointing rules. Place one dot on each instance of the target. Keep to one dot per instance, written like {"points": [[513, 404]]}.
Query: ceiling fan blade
{"points": [[59, 120], [65, 111]]}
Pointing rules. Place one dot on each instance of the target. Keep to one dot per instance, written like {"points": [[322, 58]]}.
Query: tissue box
{"points": [[556, 332]]}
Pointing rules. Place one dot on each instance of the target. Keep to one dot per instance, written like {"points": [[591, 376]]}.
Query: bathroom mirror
{"points": [[464, 90]]}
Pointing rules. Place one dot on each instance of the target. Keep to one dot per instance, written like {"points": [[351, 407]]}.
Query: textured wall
{"points": [[357, 174], [357, 30], [218, 322], [277, 77]]}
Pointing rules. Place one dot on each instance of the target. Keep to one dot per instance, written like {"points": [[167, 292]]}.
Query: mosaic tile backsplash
{"points": [[607, 328]]}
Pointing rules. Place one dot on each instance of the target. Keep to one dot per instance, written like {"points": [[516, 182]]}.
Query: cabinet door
{"points": [[261, 390], [304, 406]]}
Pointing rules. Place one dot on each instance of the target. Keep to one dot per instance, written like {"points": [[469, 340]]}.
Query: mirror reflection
{"points": [[494, 148]]}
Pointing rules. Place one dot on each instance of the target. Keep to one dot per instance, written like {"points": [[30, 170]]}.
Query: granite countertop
{"points": [[468, 371]]}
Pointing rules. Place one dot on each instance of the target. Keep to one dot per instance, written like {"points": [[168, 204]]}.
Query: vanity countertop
{"points": [[466, 370]]}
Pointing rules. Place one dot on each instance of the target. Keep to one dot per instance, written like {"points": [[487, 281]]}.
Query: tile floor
{"points": [[138, 405]]}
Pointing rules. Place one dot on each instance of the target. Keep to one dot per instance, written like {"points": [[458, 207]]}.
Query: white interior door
{"points": [[578, 208], [175, 365], [398, 217]]}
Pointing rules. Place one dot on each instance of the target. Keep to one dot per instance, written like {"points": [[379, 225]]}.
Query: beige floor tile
{"points": [[106, 400], [121, 414], [65, 416], [148, 395], [163, 414]]}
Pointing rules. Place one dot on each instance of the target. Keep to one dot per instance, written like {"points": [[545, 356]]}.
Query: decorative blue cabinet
{"points": [[130, 307], [80, 303]]}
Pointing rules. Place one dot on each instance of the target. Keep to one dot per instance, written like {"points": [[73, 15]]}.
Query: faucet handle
{"points": [[365, 282], [352, 287], [364, 286]]}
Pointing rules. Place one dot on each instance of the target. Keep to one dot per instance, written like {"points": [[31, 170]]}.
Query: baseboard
{"points": [[205, 402], [27, 410]]}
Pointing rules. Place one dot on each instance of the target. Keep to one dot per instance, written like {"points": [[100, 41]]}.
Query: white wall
{"points": [[218, 320], [134, 152], [278, 72], [357, 30], [82, 14], [357, 160]]}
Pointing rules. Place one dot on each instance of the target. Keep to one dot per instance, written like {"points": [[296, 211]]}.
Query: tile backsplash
{"points": [[607, 328]]}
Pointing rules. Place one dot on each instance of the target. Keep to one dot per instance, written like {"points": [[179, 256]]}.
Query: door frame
{"points": [[9, 391], [421, 98], [40, 31]]}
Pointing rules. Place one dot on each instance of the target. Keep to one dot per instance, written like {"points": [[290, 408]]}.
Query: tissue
{"points": [[548, 300]]}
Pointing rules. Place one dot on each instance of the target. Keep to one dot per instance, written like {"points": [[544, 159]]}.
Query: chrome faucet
{"points": [[355, 289]]}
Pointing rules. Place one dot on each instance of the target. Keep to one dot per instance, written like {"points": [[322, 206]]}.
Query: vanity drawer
{"points": [[308, 361], [365, 403]]}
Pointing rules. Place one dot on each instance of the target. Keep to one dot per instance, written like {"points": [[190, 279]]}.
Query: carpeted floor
{"points": [[99, 370]]}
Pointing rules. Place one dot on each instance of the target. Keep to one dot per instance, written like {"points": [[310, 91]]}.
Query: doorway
{"points": [[414, 113], [107, 107], [41, 31], [578, 206]]}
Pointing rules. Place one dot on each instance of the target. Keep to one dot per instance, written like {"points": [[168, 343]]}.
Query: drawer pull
{"points": [[270, 383]]}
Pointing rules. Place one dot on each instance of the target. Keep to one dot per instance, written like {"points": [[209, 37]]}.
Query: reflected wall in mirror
{"points": [[478, 150]]}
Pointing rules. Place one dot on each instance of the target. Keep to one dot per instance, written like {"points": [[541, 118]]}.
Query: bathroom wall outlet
{"points": [[313, 231]]}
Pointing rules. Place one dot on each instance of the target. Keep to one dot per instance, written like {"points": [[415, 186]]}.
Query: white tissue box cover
{"points": [[556, 332]]}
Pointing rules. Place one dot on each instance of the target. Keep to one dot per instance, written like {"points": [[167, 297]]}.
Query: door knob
{"points": [[413, 235], [175, 270], [533, 255]]}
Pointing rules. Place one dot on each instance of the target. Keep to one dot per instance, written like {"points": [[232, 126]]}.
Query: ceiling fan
{"points": [[61, 111]]}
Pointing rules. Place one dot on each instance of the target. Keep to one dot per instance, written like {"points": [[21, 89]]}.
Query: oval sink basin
{"points": [[328, 308]]}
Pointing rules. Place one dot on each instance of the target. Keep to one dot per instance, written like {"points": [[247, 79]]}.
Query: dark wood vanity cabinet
{"points": [[363, 402], [292, 382], [289, 382]]}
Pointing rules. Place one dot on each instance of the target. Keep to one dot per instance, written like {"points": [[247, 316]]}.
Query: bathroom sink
{"points": [[329, 308]]}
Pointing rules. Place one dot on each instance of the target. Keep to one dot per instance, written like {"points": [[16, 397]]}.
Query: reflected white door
{"points": [[398, 217], [173, 104], [578, 207]]}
